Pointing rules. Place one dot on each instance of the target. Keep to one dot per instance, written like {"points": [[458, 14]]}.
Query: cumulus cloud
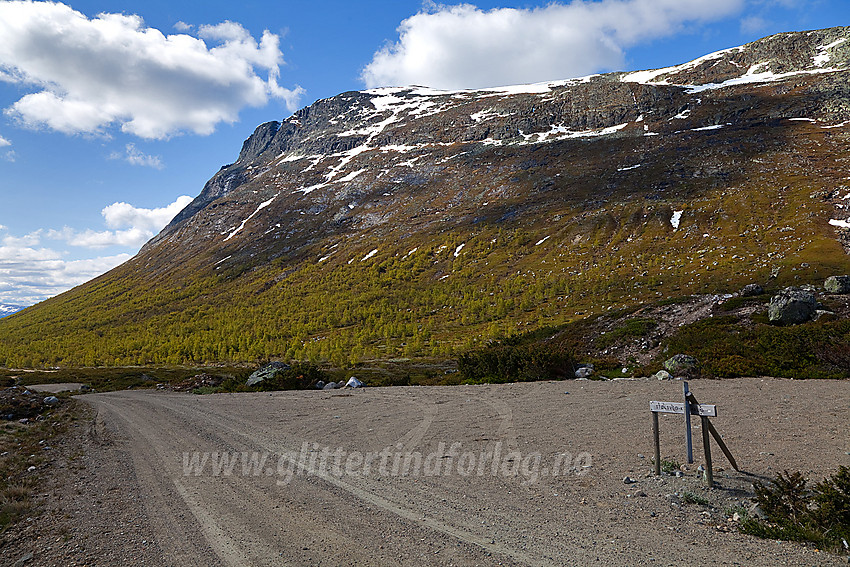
{"points": [[31, 271], [89, 74], [4, 142], [30, 275], [134, 156], [132, 226], [462, 46]]}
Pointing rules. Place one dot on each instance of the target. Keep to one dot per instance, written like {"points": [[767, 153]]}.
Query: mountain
{"points": [[413, 222], [6, 309]]}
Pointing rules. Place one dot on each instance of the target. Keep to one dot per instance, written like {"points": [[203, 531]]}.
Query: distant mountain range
{"points": [[409, 222]]}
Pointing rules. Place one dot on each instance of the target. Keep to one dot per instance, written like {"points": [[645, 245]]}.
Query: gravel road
{"points": [[515, 474]]}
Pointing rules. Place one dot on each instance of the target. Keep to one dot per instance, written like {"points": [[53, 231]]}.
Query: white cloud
{"points": [[4, 142], [29, 275], [133, 226], [462, 46], [120, 215], [31, 272], [90, 74], [134, 156]]}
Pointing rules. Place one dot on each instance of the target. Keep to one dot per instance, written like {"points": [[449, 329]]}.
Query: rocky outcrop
{"points": [[681, 365], [837, 284], [792, 306], [267, 372]]}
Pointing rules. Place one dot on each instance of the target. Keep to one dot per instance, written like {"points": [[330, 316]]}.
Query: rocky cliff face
{"points": [[474, 212], [389, 156]]}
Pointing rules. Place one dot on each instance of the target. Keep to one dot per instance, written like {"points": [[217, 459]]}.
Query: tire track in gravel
{"points": [[155, 419], [266, 441]]}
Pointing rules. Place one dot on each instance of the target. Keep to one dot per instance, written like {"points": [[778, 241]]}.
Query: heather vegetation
{"points": [[428, 303], [793, 511]]}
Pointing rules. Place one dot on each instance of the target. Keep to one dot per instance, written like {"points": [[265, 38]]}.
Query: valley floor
{"points": [[158, 478]]}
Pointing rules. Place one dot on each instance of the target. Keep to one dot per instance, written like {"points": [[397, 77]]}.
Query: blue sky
{"points": [[115, 113]]}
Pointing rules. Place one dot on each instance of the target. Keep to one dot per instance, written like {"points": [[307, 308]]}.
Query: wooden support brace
{"points": [[710, 428]]}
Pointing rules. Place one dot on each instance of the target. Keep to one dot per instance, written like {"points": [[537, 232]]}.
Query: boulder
{"points": [[662, 375], [584, 372], [792, 306], [353, 383], [320, 385], [681, 365], [837, 284], [330, 386], [267, 372], [51, 400], [751, 290]]}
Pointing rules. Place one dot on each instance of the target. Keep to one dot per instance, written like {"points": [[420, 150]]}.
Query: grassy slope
{"points": [[753, 207]]}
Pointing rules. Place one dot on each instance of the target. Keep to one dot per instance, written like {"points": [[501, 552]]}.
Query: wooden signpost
{"points": [[704, 411]]}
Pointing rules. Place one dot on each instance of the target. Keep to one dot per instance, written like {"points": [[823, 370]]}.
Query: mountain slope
{"points": [[413, 222]]}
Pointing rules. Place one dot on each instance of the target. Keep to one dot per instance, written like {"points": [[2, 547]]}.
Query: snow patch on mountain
{"points": [[262, 206]]}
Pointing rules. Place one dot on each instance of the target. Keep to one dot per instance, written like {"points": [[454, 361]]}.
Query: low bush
{"points": [[793, 512]]}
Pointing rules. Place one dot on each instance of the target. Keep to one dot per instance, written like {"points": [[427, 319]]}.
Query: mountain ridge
{"points": [[414, 222]]}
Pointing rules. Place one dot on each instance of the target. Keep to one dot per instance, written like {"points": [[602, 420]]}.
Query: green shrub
{"points": [[499, 363], [793, 512]]}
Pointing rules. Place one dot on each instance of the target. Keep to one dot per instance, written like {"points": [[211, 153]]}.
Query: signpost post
{"points": [[689, 407]]}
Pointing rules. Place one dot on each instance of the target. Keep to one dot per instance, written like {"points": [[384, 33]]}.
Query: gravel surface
{"points": [[494, 485]]}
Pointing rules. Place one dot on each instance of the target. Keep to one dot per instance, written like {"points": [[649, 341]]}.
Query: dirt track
{"points": [[136, 496]]}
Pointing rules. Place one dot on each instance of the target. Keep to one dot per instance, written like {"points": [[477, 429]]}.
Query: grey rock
{"points": [[267, 372], [330, 386], [353, 382], [584, 372], [320, 385], [662, 375], [751, 290], [681, 364], [792, 306], [25, 558], [837, 284], [51, 400], [629, 480]]}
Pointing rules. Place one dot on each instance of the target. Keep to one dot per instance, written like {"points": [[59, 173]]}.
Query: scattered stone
{"points": [[330, 386], [662, 375], [320, 385], [27, 557], [629, 480], [792, 306], [51, 400], [87, 388], [197, 381], [353, 382], [837, 284], [267, 372], [31, 468], [681, 365], [584, 371], [751, 290]]}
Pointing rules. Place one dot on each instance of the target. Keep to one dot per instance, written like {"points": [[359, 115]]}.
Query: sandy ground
{"points": [[56, 388], [494, 485]]}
